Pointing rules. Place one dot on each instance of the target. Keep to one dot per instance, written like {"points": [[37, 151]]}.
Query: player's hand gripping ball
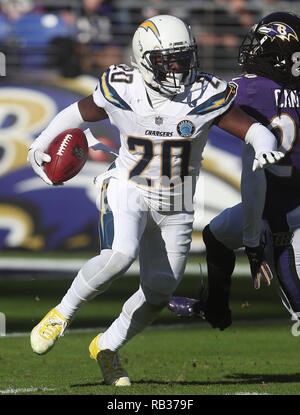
{"points": [[69, 152]]}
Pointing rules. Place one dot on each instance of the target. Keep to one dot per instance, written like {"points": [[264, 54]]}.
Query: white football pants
{"points": [[128, 229]]}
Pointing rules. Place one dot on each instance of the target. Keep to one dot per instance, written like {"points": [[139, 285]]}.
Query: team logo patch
{"points": [[159, 120], [185, 128], [278, 30]]}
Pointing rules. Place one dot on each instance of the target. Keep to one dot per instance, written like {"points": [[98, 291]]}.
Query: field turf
{"points": [[257, 355]]}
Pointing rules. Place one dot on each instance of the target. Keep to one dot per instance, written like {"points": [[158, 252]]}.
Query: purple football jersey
{"points": [[278, 108]]}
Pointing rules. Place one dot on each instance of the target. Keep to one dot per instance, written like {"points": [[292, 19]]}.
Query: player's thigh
{"points": [[123, 218], [227, 227], [164, 249], [282, 252], [176, 232]]}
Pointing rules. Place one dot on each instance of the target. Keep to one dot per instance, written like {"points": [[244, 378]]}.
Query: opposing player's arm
{"points": [[235, 121]]}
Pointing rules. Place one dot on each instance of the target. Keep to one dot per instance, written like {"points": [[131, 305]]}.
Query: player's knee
{"points": [[157, 297], [122, 261], [101, 270], [128, 247], [216, 252], [141, 309]]}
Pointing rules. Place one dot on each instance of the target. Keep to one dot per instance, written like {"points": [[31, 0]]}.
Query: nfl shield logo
{"points": [[159, 120]]}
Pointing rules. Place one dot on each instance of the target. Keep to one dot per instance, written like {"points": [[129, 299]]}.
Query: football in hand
{"points": [[69, 152]]}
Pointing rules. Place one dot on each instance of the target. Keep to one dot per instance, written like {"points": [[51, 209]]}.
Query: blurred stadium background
{"points": [[54, 52]]}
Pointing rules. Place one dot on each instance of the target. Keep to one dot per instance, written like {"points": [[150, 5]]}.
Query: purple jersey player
{"points": [[270, 92], [279, 108]]}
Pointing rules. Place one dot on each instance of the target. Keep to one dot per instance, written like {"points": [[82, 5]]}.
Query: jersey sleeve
{"points": [[98, 97], [256, 97], [111, 90], [218, 98], [242, 86]]}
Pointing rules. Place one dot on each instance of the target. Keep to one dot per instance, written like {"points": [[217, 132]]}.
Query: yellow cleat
{"points": [[109, 362], [44, 335]]}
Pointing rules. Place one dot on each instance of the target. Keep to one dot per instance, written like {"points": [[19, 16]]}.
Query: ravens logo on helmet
{"points": [[269, 47]]}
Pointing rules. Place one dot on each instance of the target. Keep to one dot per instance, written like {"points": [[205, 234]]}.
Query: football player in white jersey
{"points": [[164, 109]]}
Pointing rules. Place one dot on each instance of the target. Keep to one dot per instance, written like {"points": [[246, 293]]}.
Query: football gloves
{"points": [[36, 158], [258, 266], [265, 158]]}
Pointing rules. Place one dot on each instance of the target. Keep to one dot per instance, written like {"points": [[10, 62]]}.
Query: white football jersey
{"points": [[161, 145]]}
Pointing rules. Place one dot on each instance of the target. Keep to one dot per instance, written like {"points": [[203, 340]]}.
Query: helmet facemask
{"points": [[272, 61], [172, 69]]}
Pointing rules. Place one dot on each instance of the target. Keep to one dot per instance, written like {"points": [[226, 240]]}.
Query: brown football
{"points": [[69, 152]]}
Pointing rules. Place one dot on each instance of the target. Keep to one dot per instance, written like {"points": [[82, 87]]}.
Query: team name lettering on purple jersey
{"points": [[279, 109]]}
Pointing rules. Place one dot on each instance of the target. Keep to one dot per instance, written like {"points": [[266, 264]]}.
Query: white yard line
{"points": [[174, 326], [249, 393], [73, 265], [25, 390]]}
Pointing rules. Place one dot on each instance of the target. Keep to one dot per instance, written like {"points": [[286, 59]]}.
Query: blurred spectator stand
{"points": [[34, 33]]}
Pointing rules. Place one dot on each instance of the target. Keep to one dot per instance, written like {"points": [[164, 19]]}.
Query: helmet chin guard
{"points": [[165, 53]]}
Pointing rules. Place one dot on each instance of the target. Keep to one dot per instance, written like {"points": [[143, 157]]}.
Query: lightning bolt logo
{"points": [[278, 30], [148, 25]]}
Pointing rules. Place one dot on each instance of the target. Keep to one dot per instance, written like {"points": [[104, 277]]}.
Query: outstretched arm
{"points": [[237, 122]]}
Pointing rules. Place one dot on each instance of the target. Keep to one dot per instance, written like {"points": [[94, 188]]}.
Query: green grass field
{"points": [[257, 355]]}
